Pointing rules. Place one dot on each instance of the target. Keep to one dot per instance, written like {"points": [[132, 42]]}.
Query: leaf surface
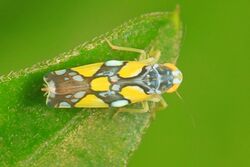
{"points": [[31, 134]]}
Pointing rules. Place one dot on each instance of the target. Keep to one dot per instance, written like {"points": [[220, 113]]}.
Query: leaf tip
{"points": [[176, 17]]}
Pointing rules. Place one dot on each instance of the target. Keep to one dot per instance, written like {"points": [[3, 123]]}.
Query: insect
{"points": [[113, 83]]}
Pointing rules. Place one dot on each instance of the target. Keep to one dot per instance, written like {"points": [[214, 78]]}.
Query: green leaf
{"points": [[31, 134]]}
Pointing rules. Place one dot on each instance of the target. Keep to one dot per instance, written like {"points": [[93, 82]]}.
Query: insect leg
{"points": [[153, 58], [143, 109], [121, 48], [158, 103], [159, 99]]}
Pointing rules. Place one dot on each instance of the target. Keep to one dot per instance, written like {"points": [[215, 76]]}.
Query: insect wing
{"points": [[65, 88]]}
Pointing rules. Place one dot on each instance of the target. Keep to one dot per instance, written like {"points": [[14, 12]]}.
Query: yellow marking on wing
{"points": [[134, 94], [88, 70], [91, 101], [131, 69], [100, 84]]}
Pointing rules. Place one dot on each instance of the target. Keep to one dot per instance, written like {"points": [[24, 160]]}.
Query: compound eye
{"points": [[177, 81]]}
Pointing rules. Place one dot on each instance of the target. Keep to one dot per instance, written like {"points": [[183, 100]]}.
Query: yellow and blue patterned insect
{"points": [[113, 83]]}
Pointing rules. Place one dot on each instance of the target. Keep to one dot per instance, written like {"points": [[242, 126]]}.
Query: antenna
{"points": [[189, 113], [179, 95]]}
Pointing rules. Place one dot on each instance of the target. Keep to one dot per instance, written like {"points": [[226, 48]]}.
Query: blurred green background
{"points": [[211, 125]]}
